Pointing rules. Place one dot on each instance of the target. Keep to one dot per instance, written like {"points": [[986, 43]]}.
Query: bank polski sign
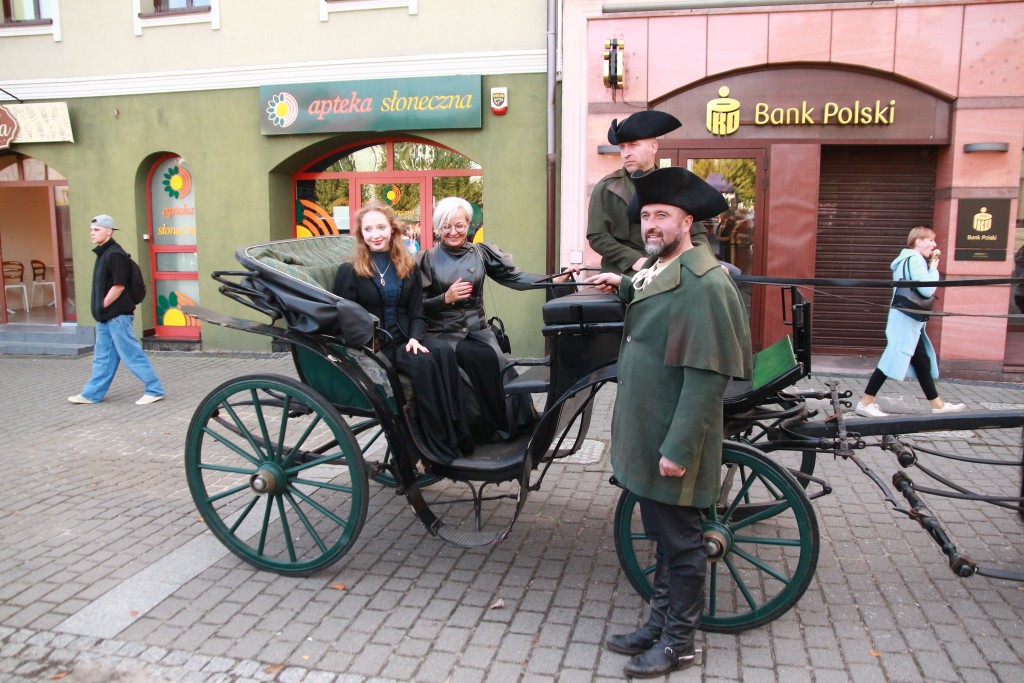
{"points": [[372, 105]]}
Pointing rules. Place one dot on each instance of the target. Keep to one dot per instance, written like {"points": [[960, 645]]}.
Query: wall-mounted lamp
{"points": [[614, 72], [986, 147]]}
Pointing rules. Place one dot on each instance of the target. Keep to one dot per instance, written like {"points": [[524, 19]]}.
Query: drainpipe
{"points": [[552, 45]]}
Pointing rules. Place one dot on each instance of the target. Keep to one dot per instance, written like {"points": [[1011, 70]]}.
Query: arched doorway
{"points": [[35, 243], [406, 173]]}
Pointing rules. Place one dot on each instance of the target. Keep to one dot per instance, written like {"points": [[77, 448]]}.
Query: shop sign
{"points": [[803, 103], [373, 105], [38, 122], [982, 229], [8, 128]]}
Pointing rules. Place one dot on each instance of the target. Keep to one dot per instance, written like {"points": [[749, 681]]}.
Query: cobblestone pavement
{"points": [[107, 572]]}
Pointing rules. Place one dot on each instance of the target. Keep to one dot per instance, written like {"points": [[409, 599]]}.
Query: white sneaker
{"points": [[78, 398], [949, 408], [147, 399], [869, 410]]}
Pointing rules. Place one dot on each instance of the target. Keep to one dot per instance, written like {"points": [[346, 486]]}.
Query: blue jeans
{"points": [[115, 341]]}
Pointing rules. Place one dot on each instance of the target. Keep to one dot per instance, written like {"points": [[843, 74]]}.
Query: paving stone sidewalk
{"points": [[107, 572]]}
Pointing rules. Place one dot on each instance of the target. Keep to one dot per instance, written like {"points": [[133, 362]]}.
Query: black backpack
{"points": [[136, 286]]}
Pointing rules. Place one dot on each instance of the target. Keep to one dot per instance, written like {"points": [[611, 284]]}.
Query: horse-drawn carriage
{"points": [[280, 468]]}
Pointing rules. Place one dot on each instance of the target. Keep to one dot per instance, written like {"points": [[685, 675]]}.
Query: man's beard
{"points": [[659, 249]]}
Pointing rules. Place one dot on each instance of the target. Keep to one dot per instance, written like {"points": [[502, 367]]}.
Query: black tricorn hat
{"points": [[642, 125], [675, 186]]}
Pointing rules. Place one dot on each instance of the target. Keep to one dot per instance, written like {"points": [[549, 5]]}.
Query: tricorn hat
{"points": [[675, 186], [642, 125]]}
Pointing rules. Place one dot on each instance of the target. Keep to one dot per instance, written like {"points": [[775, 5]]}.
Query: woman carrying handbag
{"points": [[908, 351]]}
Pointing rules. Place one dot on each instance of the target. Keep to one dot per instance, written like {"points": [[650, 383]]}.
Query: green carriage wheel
{"points": [[760, 564], [276, 474]]}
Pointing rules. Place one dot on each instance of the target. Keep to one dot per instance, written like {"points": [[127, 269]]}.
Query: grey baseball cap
{"points": [[104, 221]]}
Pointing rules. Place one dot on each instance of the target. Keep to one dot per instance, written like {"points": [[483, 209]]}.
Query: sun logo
{"points": [[177, 182], [392, 194], [282, 110]]}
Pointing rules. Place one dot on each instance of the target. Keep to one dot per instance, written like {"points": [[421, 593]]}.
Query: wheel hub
{"points": [[269, 478], [718, 540]]}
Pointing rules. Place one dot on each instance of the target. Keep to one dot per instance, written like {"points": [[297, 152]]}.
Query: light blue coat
{"points": [[903, 332]]}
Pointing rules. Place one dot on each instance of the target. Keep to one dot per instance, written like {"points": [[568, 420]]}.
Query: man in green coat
{"points": [[685, 334], [610, 231]]}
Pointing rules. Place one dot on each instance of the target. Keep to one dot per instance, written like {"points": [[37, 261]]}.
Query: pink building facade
{"points": [[853, 122]]}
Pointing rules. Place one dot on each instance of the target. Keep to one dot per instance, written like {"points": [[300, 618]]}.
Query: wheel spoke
{"points": [[302, 439], [262, 421], [322, 485], [713, 589], [284, 426], [233, 447], [320, 508], [225, 468], [741, 585], [266, 526], [243, 430], [289, 543], [767, 513], [759, 540], [744, 490], [229, 492], [305, 522], [244, 514], [763, 566]]}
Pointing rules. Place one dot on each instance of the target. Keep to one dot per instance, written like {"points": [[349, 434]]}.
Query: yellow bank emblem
{"points": [[723, 114]]}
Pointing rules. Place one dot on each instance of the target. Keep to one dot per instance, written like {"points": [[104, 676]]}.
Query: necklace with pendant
{"points": [[381, 272]]}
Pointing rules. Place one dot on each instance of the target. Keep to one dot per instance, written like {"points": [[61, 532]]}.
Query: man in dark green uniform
{"points": [[609, 230], [685, 334]]}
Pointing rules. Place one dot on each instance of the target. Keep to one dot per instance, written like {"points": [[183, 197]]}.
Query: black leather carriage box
{"points": [[586, 306]]}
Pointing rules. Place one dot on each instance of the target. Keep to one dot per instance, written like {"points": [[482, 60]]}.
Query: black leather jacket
{"points": [[441, 266]]}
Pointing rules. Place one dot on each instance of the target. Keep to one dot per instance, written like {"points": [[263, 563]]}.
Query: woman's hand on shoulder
{"points": [[414, 347]]}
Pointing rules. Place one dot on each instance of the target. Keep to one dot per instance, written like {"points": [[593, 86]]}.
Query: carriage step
{"points": [[536, 380], [469, 539]]}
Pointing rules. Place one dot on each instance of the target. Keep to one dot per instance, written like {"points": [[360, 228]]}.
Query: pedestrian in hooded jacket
{"points": [[908, 351]]}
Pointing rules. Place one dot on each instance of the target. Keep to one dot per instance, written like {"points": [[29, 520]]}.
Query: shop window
{"points": [[174, 257], [410, 175], [153, 13]]}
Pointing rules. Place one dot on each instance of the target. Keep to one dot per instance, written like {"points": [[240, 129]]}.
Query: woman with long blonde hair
{"points": [[383, 278]]}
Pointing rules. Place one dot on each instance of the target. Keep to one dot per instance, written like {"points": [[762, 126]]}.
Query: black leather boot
{"points": [[647, 635], [675, 649]]}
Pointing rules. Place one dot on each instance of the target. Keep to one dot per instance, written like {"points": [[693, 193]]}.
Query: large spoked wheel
{"points": [[760, 564], [276, 474]]}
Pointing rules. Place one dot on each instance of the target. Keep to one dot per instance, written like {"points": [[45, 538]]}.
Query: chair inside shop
{"points": [[39, 280], [14, 273]]}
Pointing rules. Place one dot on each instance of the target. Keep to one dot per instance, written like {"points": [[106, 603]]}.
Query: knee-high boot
{"points": [[647, 635], [675, 648]]}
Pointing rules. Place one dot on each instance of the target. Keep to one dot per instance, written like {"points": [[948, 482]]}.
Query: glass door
{"points": [[173, 252], [733, 235]]}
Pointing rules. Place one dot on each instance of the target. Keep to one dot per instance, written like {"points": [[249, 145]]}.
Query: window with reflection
{"points": [[28, 11], [409, 175]]}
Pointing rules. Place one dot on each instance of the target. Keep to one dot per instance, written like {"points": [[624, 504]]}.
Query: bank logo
{"points": [[282, 110], [982, 221], [723, 114]]}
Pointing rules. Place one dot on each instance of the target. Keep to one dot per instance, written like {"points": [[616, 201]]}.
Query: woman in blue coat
{"points": [[908, 351]]}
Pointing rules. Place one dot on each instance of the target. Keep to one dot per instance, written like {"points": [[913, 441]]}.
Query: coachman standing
{"points": [[685, 335]]}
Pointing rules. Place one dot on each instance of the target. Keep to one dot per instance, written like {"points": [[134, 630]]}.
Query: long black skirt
{"points": [[437, 398]]}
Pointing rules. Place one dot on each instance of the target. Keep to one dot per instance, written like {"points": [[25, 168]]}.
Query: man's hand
{"points": [[112, 295], [606, 283], [667, 468]]}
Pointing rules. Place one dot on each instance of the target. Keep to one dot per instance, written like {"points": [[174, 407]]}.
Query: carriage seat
{"points": [[775, 368], [313, 261]]}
